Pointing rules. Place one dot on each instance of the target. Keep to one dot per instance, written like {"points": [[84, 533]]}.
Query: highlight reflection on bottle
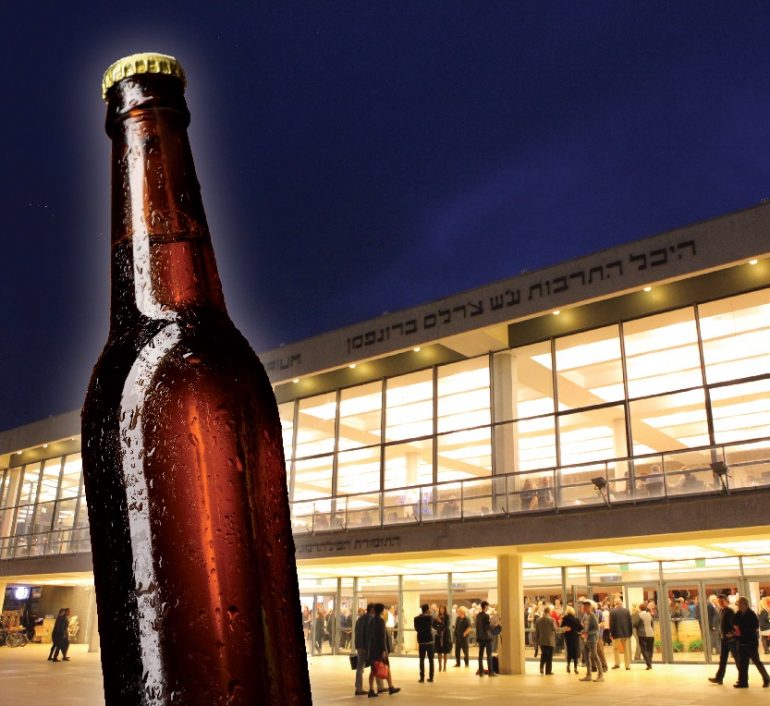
{"points": [[182, 456]]}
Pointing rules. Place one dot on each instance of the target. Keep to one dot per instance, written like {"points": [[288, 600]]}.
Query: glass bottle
{"points": [[194, 565]]}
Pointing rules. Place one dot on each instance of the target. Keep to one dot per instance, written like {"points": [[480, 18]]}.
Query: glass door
{"points": [[690, 618], [687, 624], [633, 596]]}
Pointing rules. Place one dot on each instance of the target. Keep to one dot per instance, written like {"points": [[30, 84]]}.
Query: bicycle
{"points": [[13, 639]]}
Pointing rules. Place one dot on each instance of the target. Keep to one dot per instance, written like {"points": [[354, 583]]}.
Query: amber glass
{"points": [[194, 565]]}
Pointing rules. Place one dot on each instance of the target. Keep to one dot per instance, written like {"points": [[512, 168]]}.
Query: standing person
{"points": [[545, 627], [423, 625], [56, 630], [728, 645], [361, 636], [319, 629], [645, 632], [443, 641], [60, 636], [713, 613], [746, 629], [571, 629], [590, 634], [484, 638], [764, 623], [462, 630], [379, 649], [620, 631]]}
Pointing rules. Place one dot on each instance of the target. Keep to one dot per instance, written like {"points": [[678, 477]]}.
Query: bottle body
{"points": [[183, 463]]}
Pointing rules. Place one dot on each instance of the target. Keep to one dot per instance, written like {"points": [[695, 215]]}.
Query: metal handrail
{"points": [[504, 486]]}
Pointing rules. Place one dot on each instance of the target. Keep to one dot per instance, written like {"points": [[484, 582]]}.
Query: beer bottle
{"points": [[194, 567]]}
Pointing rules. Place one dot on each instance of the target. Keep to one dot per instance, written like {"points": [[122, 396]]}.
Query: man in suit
{"points": [[423, 625], [484, 638], [746, 629], [727, 642], [621, 630]]}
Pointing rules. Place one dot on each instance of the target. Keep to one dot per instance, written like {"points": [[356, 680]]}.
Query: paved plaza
{"points": [[27, 677]]}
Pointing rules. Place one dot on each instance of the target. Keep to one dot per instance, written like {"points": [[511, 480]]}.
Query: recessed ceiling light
{"points": [[648, 289], [295, 380], [416, 349], [753, 262], [556, 312], [352, 365]]}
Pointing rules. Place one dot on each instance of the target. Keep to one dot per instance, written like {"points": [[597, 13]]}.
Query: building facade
{"points": [[598, 428]]}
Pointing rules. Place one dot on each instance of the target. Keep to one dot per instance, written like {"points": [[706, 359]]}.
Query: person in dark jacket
{"points": [[764, 624], [443, 641], [620, 631], [728, 643], [746, 629], [484, 639], [423, 625], [62, 613], [462, 630], [545, 629], [60, 635], [379, 649], [361, 638], [571, 629]]}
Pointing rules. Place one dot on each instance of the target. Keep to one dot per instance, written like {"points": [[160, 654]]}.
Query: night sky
{"points": [[363, 156]]}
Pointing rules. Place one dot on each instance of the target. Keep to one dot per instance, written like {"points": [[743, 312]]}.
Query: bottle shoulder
{"points": [[176, 354]]}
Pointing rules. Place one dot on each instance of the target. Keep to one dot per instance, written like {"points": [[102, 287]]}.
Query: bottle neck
{"points": [[162, 260]]}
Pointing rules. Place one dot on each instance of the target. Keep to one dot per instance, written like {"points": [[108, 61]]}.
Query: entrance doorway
{"points": [[689, 619]]}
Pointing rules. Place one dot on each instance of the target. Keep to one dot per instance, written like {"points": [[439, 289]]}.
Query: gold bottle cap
{"points": [[144, 63]]}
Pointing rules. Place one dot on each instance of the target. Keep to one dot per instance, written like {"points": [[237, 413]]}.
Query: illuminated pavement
{"points": [[27, 677]]}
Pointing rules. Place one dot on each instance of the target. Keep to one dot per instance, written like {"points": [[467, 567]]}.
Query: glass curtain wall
{"points": [[43, 509], [626, 412]]}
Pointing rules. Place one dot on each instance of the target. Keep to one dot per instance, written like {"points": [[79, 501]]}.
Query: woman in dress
{"points": [[571, 629], [443, 639]]}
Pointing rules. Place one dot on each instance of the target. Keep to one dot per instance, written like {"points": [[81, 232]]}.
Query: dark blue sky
{"points": [[357, 157]]}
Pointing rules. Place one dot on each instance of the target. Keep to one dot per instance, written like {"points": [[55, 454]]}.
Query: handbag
{"points": [[354, 661], [380, 669]]}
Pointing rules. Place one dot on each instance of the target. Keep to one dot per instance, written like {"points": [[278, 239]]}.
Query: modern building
{"points": [[595, 428]]}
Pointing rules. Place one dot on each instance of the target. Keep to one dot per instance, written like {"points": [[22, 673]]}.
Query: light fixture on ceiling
{"points": [[648, 289], [416, 349], [352, 366], [556, 312], [753, 261]]}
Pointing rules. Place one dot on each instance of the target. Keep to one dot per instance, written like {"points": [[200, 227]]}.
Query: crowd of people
{"points": [[583, 631]]}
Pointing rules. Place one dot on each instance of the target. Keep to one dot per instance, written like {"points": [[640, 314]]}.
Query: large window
{"points": [[315, 426], [409, 406], [360, 416], [589, 368], [523, 384], [669, 422], [662, 353], [463, 395], [736, 336]]}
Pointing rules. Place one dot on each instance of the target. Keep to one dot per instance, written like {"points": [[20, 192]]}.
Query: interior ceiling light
{"points": [[417, 349], [648, 289], [753, 262], [352, 366], [556, 312], [295, 380]]}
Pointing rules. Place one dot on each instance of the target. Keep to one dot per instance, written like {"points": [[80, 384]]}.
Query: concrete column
{"points": [[620, 449], [6, 517], [506, 441], [410, 608], [93, 624], [510, 591]]}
